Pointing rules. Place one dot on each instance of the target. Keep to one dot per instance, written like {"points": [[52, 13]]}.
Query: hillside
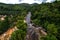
{"points": [[46, 15]]}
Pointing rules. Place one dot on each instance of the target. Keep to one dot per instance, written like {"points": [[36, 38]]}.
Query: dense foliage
{"points": [[4, 25], [46, 15]]}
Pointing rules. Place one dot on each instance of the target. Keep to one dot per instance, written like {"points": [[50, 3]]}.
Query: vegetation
{"points": [[46, 15], [4, 25]]}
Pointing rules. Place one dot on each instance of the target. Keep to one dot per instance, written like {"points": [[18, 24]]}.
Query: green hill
{"points": [[46, 15]]}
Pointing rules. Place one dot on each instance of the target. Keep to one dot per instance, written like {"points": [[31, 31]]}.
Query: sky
{"points": [[24, 1]]}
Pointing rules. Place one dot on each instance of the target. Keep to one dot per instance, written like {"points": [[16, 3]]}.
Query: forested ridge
{"points": [[46, 15]]}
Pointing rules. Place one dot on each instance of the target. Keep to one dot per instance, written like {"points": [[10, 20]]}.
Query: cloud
{"points": [[20, 0], [44, 1], [24, 1], [50, 1], [9, 1]]}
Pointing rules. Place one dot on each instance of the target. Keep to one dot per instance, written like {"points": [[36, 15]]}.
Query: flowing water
{"points": [[33, 32]]}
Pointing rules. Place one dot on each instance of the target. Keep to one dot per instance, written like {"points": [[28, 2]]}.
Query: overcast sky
{"points": [[24, 1]]}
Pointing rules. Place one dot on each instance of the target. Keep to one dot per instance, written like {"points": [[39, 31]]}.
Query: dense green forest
{"points": [[46, 15]]}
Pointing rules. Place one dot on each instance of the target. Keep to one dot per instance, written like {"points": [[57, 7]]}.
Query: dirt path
{"points": [[7, 34]]}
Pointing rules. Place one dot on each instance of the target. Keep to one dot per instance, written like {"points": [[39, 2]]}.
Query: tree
{"points": [[51, 28], [4, 25], [18, 35], [50, 37]]}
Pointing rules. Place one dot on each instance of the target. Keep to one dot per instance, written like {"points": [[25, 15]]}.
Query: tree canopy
{"points": [[46, 15]]}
